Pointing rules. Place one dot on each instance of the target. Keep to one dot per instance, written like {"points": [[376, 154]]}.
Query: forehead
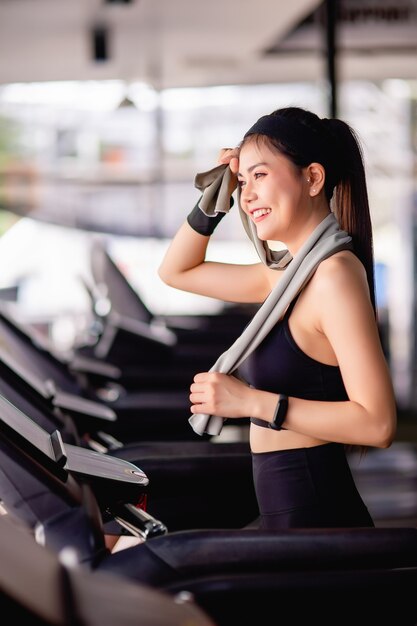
{"points": [[253, 152], [255, 149]]}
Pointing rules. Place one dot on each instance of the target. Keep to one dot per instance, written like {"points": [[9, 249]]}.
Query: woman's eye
{"points": [[240, 183], [258, 175]]}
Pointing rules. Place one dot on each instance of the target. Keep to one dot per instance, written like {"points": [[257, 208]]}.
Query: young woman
{"points": [[322, 364]]}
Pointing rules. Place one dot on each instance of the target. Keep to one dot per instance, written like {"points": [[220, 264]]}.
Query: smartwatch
{"points": [[280, 413]]}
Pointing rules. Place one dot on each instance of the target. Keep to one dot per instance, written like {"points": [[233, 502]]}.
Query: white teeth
{"points": [[260, 212]]}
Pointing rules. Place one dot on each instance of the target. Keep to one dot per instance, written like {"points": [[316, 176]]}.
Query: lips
{"points": [[259, 213]]}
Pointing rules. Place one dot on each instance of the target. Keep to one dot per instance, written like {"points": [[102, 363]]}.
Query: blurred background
{"points": [[108, 108]]}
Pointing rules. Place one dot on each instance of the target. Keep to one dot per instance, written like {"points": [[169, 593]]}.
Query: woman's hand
{"points": [[230, 156], [213, 393]]}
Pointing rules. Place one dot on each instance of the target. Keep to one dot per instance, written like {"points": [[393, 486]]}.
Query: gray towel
{"points": [[325, 240]]}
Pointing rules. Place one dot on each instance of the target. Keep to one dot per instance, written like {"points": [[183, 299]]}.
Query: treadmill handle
{"points": [[138, 522], [70, 402]]}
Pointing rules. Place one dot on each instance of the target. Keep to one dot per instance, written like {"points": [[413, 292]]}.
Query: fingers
{"points": [[234, 164], [201, 391], [209, 377], [197, 398], [197, 389], [226, 155]]}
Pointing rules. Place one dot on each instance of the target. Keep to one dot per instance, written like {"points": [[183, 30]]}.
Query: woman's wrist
{"points": [[262, 404], [202, 223]]}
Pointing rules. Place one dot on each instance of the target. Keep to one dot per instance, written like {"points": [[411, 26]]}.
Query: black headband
{"points": [[294, 135]]}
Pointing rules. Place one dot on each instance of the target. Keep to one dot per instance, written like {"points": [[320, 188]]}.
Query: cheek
{"points": [[280, 187], [290, 192], [282, 196]]}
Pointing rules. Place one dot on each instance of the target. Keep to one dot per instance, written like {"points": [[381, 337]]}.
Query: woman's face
{"points": [[274, 193]]}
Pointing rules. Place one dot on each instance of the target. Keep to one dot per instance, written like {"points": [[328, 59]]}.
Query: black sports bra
{"points": [[280, 366]]}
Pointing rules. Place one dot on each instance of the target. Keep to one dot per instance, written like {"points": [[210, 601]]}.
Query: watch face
{"points": [[280, 413]]}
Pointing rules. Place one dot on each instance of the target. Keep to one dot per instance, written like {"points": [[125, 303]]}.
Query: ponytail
{"points": [[350, 196]]}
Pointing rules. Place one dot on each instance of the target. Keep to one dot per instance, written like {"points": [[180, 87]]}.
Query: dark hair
{"points": [[334, 144]]}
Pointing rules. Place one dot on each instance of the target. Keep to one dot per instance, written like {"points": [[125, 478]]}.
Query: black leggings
{"points": [[307, 488]]}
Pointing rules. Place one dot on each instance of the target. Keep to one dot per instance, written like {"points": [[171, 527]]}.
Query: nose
{"points": [[248, 192]]}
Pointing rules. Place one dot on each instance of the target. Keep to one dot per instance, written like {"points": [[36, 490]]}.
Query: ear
{"points": [[316, 176]]}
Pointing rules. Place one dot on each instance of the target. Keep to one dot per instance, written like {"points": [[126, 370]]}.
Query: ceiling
{"points": [[170, 43]]}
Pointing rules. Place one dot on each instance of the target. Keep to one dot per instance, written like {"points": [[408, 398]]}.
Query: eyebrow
{"points": [[252, 167]]}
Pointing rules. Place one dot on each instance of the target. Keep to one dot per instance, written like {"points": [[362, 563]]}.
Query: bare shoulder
{"points": [[339, 292], [340, 273]]}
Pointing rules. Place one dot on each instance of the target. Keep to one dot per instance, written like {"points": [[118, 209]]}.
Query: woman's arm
{"points": [[344, 315], [184, 267], [346, 318]]}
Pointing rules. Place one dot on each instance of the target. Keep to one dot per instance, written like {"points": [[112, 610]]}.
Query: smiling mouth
{"points": [[260, 213]]}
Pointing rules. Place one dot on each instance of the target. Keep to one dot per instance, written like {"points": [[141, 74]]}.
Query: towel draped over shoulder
{"points": [[326, 239]]}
